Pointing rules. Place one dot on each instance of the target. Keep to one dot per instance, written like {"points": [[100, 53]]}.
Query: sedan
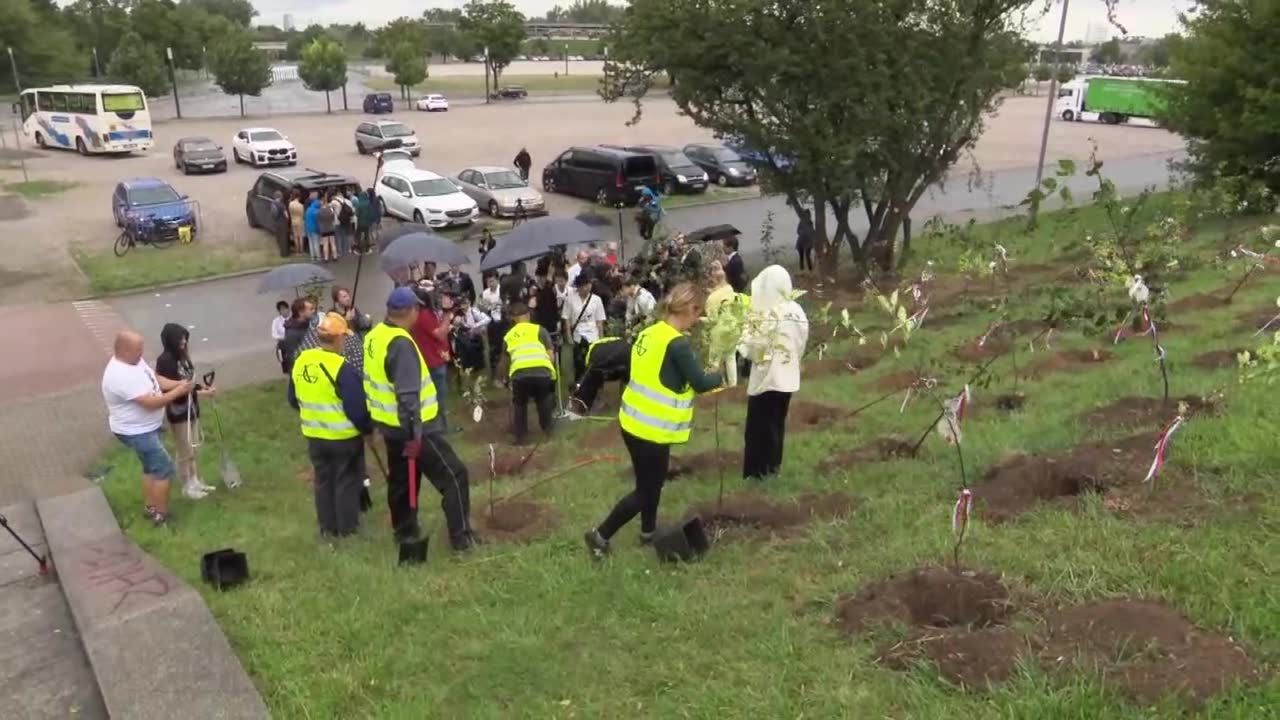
{"points": [[500, 191], [433, 103], [198, 154], [722, 165]]}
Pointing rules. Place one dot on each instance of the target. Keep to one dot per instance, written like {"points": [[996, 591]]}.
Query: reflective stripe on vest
{"points": [[319, 408], [380, 392], [649, 410], [525, 348], [592, 347]]}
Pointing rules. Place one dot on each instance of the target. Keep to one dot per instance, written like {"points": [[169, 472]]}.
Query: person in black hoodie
{"points": [[295, 329], [183, 413]]}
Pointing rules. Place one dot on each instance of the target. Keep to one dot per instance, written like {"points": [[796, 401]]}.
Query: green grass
{"points": [[146, 266], [537, 630], [38, 188], [556, 48]]}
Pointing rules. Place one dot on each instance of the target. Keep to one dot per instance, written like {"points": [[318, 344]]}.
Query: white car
{"points": [[263, 146], [424, 197], [433, 103]]}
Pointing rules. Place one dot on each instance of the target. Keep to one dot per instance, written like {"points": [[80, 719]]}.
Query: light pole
{"points": [[97, 68], [17, 84], [566, 58], [486, 75], [173, 78], [1048, 109]]}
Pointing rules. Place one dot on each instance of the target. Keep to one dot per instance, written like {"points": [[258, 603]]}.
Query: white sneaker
{"points": [[194, 492], [202, 485]]}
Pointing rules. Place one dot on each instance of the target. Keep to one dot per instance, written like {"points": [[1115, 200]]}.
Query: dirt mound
{"points": [[758, 513], [1070, 361], [884, 449], [804, 415], [509, 462], [1133, 411], [514, 521], [1025, 482], [1218, 359], [1146, 649], [899, 380], [977, 350], [1199, 301], [926, 597], [977, 659], [1256, 319]]}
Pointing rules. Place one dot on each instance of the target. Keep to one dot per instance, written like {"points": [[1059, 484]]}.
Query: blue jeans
{"points": [[150, 450], [440, 378], [343, 240], [313, 246]]}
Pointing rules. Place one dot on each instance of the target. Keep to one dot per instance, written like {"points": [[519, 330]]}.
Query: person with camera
{"points": [[456, 282], [583, 321]]}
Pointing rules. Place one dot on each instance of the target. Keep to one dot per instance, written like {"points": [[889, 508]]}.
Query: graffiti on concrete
{"points": [[119, 570]]}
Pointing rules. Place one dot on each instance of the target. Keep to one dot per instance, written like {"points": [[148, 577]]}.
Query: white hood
{"points": [[776, 337], [271, 144]]}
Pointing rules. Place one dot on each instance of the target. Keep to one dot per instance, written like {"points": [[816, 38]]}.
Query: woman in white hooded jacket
{"points": [[774, 341]]}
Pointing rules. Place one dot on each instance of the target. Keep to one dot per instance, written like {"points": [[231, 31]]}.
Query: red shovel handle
{"points": [[413, 483]]}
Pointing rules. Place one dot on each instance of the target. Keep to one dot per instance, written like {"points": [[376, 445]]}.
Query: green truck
{"points": [[1114, 100]]}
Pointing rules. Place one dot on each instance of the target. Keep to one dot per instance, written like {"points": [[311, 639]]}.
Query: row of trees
{"points": [[1155, 54]]}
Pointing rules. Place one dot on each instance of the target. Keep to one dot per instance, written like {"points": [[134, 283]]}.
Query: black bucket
{"points": [[413, 552], [682, 543], [224, 569]]}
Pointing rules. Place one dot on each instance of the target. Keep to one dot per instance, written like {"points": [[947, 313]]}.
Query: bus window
{"points": [[28, 105], [59, 101], [83, 103], [44, 101], [122, 102]]}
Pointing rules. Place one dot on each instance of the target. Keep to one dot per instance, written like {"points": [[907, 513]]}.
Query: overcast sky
{"points": [[1141, 17]]}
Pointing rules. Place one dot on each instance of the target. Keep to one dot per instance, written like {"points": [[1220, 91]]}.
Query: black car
{"points": [[723, 166], [511, 92], [257, 204], [375, 103], [198, 154], [608, 175], [676, 172]]}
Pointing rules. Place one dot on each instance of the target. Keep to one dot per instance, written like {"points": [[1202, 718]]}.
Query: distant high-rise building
{"points": [[288, 22], [1097, 32]]}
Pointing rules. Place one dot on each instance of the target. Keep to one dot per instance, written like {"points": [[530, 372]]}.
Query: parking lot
{"points": [[39, 267]]}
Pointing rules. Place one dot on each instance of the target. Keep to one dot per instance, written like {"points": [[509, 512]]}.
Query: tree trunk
{"points": [[242, 105], [344, 97], [328, 106], [905, 255]]}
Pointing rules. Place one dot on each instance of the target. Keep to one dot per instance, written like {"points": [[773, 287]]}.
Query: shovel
{"points": [[230, 473]]}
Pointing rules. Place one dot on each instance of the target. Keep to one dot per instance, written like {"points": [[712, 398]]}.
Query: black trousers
{"points": [[445, 471], [650, 462], [763, 437], [496, 330], [339, 468], [589, 388], [806, 257], [542, 391], [580, 349]]}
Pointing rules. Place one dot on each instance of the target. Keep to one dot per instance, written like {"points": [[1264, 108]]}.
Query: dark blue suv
{"points": [[151, 205], [376, 103]]}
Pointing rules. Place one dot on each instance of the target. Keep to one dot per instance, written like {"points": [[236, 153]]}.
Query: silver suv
{"points": [[373, 135]]}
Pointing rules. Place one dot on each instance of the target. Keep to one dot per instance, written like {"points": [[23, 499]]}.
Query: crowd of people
{"points": [[326, 226]]}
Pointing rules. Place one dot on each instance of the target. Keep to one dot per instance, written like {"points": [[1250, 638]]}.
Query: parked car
{"points": [[722, 165], [374, 135], [198, 154], [676, 172], [511, 92], [375, 103], [424, 197], [500, 191], [257, 204], [604, 174], [757, 158], [263, 146], [154, 204], [434, 102]]}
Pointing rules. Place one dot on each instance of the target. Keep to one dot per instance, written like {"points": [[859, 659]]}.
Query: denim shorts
{"points": [[150, 450]]}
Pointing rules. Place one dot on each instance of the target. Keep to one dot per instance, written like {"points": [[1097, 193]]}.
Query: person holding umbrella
{"points": [[404, 406], [657, 411]]}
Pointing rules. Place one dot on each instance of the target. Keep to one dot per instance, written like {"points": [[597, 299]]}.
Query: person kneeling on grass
{"points": [[608, 359], [531, 370], [328, 394]]}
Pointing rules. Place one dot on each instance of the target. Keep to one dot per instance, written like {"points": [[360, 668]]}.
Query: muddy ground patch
{"points": [[749, 513]]}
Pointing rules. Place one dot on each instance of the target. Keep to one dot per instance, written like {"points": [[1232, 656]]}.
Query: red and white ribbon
{"points": [[953, 414], [960, 513], [1162, 448], [917, 320]]}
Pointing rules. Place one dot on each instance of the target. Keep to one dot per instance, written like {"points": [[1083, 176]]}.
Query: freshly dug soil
{"points": [[758, 513], [883, 449], [1025, 482], [1069, 361], [1145, 649], [926, 597], [1199, 301], [697, 465], [997, 344], [899, 380], [1218, 359], [513, 520], [1255, 319], [978, 659], [508, 463], [1133, 411], [804, 415]]}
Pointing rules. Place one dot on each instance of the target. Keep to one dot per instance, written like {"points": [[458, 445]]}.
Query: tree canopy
{"points": [[408, 65], [587, 11], [45, 53], [238, 68], [136, 63], [323, 67], [1108, 53], [495, 25]]}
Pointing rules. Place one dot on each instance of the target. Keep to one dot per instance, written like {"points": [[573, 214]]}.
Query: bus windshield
{"points": [[123, 102]]}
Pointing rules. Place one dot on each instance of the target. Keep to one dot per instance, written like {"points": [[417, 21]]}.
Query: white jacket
{"points": [[776, 334]]}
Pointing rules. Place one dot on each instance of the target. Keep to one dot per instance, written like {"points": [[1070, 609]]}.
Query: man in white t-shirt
{"points": [[136, 398], [584, 259], [583, 318]]}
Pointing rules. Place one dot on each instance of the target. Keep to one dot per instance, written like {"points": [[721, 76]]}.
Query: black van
{"points": [[604, 174], [676, 171], [376, 103]]}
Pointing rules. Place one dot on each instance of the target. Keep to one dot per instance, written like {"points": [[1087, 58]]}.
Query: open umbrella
{"points": [[536, 238], [594, 219], [292, 276], [415, 248], [391, 234], [711, 232]]}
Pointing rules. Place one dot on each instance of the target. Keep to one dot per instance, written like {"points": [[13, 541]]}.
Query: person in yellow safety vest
{"points": [[403, 405], [657, 410], [527, 356], [329, 397]]}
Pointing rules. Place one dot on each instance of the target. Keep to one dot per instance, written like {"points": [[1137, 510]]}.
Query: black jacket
{"points": [[462, 285], [523, 161], [735, 271], [175, 364], [294, 332]]}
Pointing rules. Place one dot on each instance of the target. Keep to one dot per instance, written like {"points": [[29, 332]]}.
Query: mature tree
{"points": [[299, 41], [203, 31], [1229, 107], [1043, 73], [359, 32], [137, 63], [1108, 53], [97, 24], [442, 15], [238, 68], [323, 68], [1157, 54], [44, 51], [497, 26], [239, 12], [1065, 73], [590, 11], [408, 66], [855, 104], [403, 31], [540, 46]]}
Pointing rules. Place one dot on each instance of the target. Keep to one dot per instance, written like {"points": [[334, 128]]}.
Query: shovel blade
{"points": [[230, 474]]}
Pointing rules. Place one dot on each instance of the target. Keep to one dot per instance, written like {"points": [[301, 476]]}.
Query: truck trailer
{"points": [[1114, 100]]}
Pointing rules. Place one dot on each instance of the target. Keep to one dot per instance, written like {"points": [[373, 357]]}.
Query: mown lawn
{"points": [[538, 630], [145, 266], [38, 188]]}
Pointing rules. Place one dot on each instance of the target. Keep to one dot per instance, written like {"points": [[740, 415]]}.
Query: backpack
{"points": [[346, 213], [325, 217]]}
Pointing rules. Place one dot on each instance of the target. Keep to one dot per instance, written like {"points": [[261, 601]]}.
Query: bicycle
{"points": [[143, 231]]}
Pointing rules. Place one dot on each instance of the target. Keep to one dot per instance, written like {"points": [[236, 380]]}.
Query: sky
{"points": [[1151, 18]]}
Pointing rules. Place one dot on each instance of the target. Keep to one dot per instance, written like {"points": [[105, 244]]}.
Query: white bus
{"points": [[88, 118]]}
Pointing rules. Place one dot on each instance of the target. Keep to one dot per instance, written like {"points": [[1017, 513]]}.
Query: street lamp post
{"points": [[17, 83], [173, 78], [1048, 110], [566, 58], [486, 75], [97, 68]]}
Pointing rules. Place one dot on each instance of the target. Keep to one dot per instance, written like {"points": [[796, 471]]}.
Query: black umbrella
{"points": [[712, 232], [593, 219], [390, 235], [294, 275], [415, 248], [535, 238]]}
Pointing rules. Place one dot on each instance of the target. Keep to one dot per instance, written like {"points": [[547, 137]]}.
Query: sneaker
{"points": [[203, 485], [646, 538], [597, 545], [194, 492], [158, 519]]}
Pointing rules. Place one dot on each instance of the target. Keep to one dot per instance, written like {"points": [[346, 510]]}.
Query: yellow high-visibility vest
{"points": [[592, 347], [380, 392], [649, 410], [525, 348], [319, 408]]}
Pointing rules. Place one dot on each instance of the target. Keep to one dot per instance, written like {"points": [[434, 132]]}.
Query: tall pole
{"points": [[173, 78], [97, 68], [486, 75], [1048, 109], [566, 58], [17, 83]]}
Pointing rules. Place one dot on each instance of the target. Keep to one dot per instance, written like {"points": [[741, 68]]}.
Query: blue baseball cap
{"points": [[403, 298]]}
